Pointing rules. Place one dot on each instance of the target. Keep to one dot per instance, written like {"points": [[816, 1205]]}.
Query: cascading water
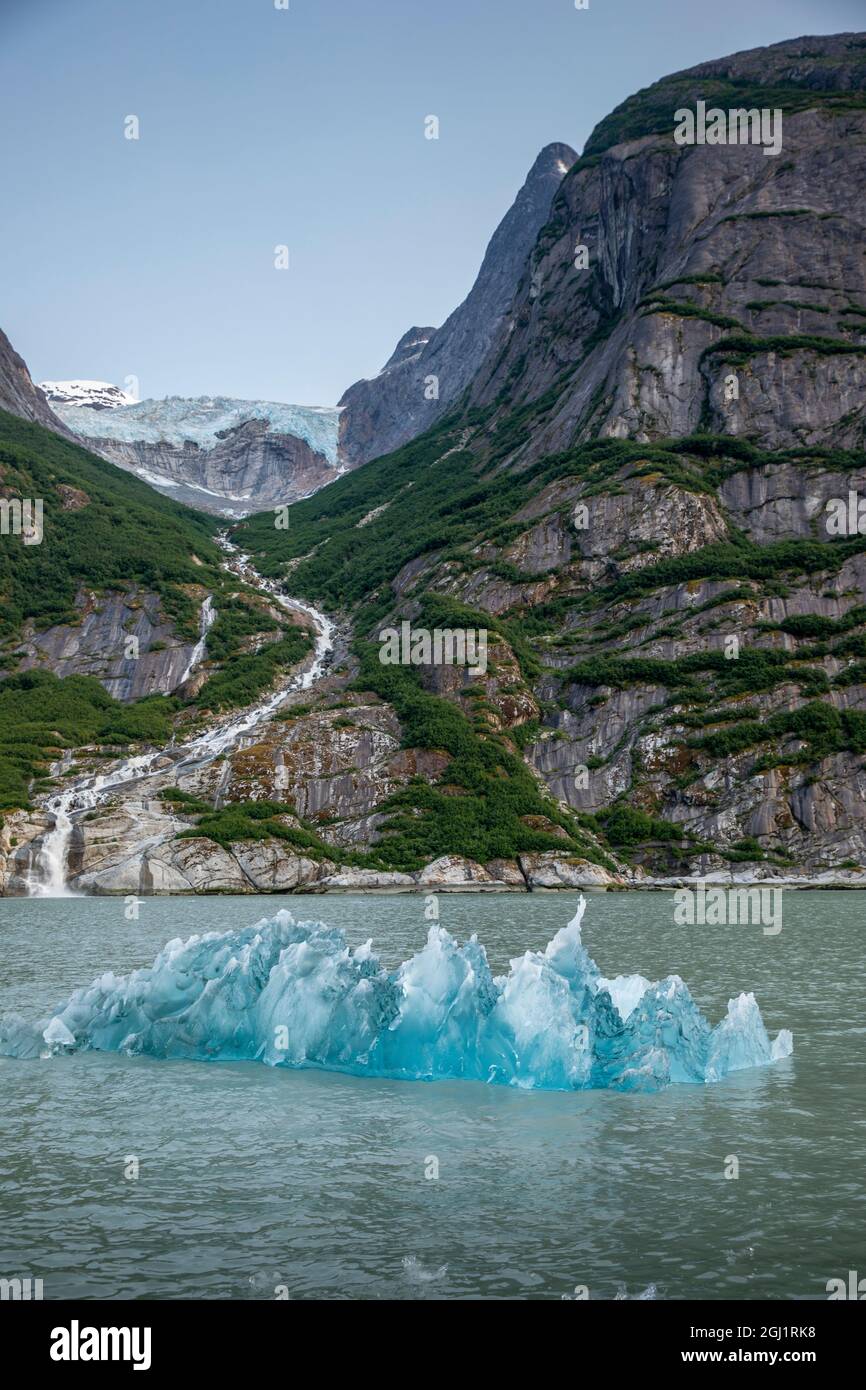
{"points": [[47, 878], [207, 619]]}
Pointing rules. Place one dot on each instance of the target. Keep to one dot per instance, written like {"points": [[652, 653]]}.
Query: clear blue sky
{"points": [[305, 127]]}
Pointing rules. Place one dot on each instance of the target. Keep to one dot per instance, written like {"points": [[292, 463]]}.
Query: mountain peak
{"points": [[381, 414], [556, 158], [92, 395]]}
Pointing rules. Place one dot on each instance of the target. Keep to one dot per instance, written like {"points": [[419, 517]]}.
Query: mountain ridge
{"points": [[622, 523], [380, 414], [630, 497]]}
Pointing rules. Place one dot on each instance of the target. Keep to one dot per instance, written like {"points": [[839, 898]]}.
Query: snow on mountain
{"points": [[92, 395]]}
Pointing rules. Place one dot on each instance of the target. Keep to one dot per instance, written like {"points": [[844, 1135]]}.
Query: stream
{"points": [[46, 877]]}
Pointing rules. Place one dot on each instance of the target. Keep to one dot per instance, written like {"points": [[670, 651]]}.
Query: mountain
{"points": [[18, 395], [641, 504], [381, 414], [646, 497], [96, 395], [700, 259], [224, 456], [104, 607]]}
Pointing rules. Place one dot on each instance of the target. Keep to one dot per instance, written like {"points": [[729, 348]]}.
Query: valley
{"points": [[627, 482], [433, 818]]}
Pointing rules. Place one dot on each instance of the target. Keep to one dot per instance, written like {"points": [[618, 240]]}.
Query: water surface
{"points": [[254, 1178]]}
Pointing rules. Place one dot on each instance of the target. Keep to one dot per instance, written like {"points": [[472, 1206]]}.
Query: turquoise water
{"points": [[253, 1179]]}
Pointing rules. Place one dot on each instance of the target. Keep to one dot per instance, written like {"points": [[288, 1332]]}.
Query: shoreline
{"points": [[816, 884]]}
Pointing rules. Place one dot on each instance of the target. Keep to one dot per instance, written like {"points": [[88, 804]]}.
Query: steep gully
{"points": [[46, 877]]}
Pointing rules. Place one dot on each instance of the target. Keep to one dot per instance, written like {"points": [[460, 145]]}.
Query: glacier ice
{"points": [[202, 420], [295, 994]]}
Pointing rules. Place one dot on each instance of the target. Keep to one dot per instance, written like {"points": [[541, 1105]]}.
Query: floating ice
{"points": [[295, 994]]}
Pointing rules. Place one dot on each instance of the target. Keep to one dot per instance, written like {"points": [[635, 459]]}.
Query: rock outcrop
{"points": [[98, 644], [18, 394], [431, 367], [721, 289]]}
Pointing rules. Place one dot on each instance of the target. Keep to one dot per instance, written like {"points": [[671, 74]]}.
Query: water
{"points": [[207, 618], [253, 1178], [47, 877]]}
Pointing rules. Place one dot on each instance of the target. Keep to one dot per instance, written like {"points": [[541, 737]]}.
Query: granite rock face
{"points": [[699, 260], [18, 394], [718, 321], [381, 414], [97, 645]]}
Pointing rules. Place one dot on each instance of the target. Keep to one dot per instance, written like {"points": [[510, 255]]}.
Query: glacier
{"points": [[202, 420], [295, 994]]}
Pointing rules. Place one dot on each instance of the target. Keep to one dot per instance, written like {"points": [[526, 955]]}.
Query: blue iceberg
{"points": [[294, 994]]}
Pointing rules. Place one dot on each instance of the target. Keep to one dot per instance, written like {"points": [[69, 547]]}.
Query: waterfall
{"points": [[47, 876], [207, 619]]}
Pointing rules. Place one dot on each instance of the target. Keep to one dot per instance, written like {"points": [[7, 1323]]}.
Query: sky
{"points": [[301, 127]]}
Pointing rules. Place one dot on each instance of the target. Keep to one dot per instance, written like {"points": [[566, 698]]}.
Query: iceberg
{"points": [[295, 994]]}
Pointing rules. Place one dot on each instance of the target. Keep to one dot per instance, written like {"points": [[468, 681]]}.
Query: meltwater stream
{"points": [[47, 877]]}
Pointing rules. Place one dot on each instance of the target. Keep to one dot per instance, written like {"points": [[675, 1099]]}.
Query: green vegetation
{"points": [[754, 670], [431, 510], [263, 820], [119, 533], [625, 826], [705, 277], [236, 620], [738, 559], [814, 625], [738, 348], [41, 716], [246, 676], [686, 309], [478, 808], [759, 305], [823, 729], [651, 111]]}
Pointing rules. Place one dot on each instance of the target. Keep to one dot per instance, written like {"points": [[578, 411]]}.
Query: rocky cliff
{"points": [[18, 394], [648, 493], [647, 497], [430, 367], [678, 288]]}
